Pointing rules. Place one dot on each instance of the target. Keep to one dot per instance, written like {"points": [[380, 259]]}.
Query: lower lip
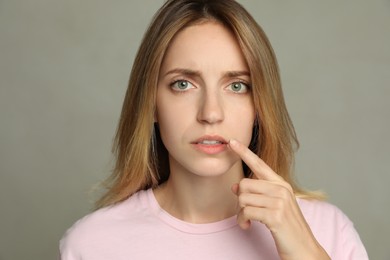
{"points": [[211, 149]]}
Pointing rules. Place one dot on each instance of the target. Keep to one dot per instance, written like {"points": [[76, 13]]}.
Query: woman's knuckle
{"points": [[242, 200], [247, 211]]}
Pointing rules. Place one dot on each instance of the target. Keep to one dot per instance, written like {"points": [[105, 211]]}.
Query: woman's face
{"points": [[204, 100]]}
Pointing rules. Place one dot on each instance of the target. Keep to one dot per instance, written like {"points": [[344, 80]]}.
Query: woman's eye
{"points": [[181, 85], [238, 87]]}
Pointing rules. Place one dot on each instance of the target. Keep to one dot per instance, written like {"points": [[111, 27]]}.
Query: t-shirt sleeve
{"points": [[333, 230], [68, 247], [80, 238], [352, 246]]}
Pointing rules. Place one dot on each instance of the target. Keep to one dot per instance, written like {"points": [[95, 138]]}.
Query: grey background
{"points": [[64, 67]]}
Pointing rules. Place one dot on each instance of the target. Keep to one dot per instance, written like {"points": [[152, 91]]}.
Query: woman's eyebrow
{"points": [[238, 73], [195, 73], [186, 72]]}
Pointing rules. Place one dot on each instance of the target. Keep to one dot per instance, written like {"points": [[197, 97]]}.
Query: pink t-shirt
{"points": [[138, 228]]}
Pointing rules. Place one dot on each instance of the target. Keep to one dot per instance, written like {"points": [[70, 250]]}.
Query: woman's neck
{"points": [[200, 199]]}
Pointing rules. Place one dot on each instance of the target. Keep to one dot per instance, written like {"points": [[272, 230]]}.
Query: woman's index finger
{"points": [[257, 165]]}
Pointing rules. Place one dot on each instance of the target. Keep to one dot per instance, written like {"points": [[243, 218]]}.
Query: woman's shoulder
{"points": [[333, 229], [315, 207], [116, 212], [105, 221], [322, 213]]}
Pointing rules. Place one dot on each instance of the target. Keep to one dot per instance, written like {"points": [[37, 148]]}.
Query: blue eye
{"points": [[181, 85], [238, 87]]}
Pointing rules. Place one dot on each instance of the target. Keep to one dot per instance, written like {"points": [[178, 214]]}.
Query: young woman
{"points": [[204, 153]]}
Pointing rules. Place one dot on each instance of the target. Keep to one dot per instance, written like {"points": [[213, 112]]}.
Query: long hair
{"points": [[141, 158]]}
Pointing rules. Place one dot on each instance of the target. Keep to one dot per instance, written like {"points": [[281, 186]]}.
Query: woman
{"points": [[204, 104]]}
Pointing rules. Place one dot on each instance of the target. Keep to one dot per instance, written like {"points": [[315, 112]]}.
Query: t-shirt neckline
{"points": [[184, 226]]}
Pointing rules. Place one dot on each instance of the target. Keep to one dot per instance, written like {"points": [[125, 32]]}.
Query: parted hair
{"points": [[141, 160]]}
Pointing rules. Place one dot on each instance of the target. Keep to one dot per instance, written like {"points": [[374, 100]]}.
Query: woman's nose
{"points": [[210, 109]]}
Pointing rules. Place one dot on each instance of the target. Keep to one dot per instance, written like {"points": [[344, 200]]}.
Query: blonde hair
{"points": [[141, 158]]}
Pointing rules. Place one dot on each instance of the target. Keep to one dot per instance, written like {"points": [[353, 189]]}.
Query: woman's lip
{"points": [[210, 138], [210, 148]]}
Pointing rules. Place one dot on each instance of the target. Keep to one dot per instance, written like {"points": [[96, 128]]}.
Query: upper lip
{"points": [[210, 138]]}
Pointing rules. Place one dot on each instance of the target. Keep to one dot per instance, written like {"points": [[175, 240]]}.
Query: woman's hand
{"points": [[271, 200]]}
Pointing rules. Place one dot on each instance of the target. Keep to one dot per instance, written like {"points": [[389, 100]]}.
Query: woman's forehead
{"points": [[204, 46]]}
